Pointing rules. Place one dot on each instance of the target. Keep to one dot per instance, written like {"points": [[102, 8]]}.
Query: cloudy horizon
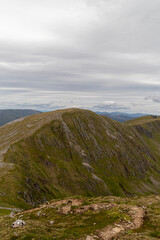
{"points": [[102, 55]]}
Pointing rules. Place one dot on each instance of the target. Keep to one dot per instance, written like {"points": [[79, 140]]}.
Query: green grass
{"points": [[4, 212]]}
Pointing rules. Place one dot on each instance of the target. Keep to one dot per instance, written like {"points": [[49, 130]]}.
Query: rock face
{"points": [[18, 223], [77, 152]]}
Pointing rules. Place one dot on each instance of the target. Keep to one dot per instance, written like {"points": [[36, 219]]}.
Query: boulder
{"points": [[18, 223]]}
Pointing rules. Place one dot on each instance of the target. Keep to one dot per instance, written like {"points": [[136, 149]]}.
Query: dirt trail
{"points": [[65, 207], [111, 232], [74, 202]]}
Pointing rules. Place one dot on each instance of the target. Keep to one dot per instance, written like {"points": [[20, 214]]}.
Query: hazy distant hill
{"points": [[9, 115], [121, 117]]}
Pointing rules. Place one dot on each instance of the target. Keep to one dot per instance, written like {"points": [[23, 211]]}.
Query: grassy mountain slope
{"points": [[149, 129], [8, 115], [142, 120], [74, 152]]}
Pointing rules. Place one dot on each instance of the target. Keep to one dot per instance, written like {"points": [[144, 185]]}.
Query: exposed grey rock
{"points": [[39, 214], [18, 223], [87, 165], [51, 222], [96, 178]]}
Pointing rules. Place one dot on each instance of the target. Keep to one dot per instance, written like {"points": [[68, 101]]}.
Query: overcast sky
{"points": [[102, 55]]}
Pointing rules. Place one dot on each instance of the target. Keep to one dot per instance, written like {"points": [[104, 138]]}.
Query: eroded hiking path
{"points": [[111, 232], [67, 203]]}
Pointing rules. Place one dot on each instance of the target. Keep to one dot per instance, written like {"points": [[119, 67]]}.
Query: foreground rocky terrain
{"points": [[80, 218]]}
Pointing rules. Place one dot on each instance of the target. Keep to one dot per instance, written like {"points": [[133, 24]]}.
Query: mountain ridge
{"points": [[69, 152]]}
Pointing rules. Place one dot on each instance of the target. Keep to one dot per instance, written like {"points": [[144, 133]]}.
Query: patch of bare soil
{"points": [[112, 232], [65, 206]]}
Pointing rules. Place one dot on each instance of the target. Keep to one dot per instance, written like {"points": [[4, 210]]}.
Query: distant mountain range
{"points": [[9, 115], [120, 116]]}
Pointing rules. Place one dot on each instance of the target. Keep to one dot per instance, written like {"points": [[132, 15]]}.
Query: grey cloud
{"points": [[109, 107], [25, 105], [112, 49], [154, 99]]}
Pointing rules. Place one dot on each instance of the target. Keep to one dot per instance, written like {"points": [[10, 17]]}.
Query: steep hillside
{"points": [[8, 115], [74, 152], [149, 129]]}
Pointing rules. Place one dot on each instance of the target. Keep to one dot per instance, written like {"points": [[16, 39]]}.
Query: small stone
{"points": [[38, 213], [51, 222]]}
